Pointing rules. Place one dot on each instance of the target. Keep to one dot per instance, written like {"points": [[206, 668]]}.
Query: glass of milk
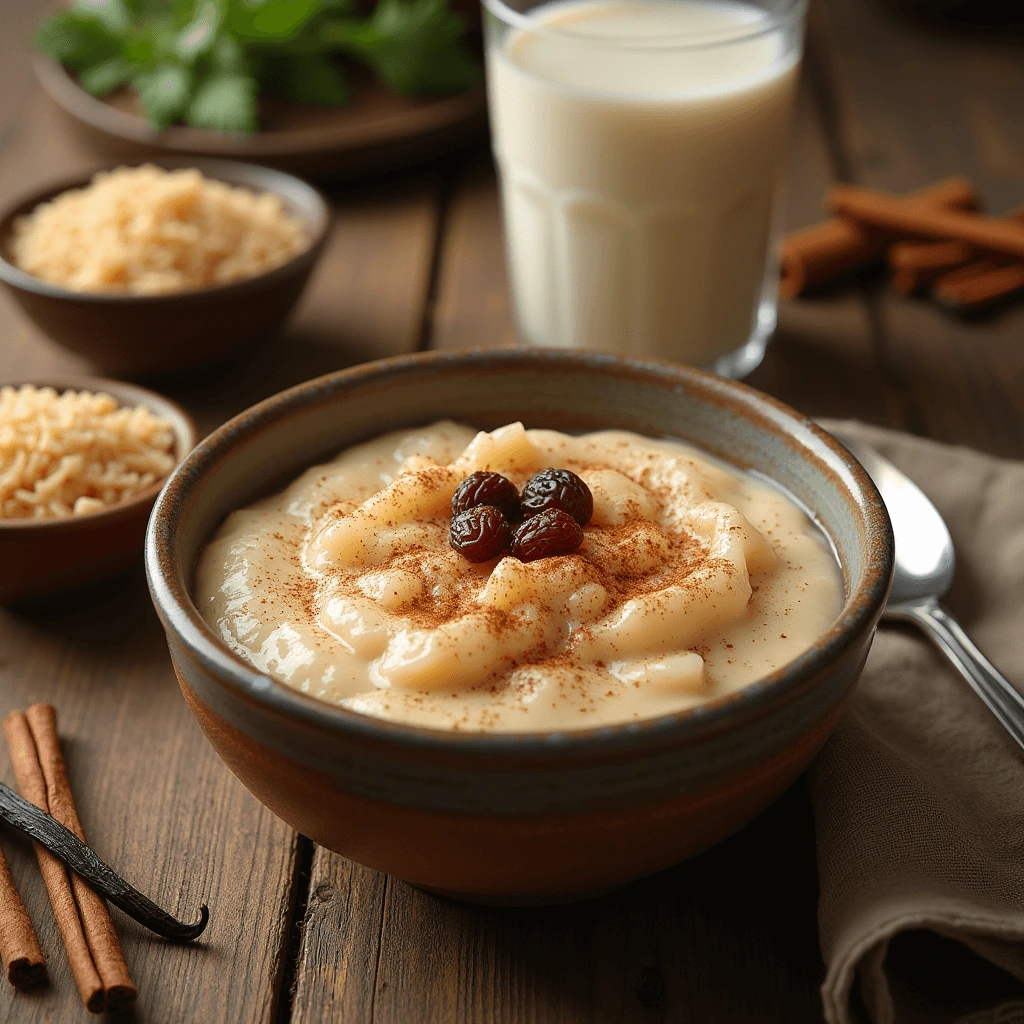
{"points": [[641, 146]]}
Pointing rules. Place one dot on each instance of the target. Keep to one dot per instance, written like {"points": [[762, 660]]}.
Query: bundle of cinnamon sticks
{"points": [[93, 948], [934, 241]]}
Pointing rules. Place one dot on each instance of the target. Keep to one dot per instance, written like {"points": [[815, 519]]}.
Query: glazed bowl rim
{"points": [[171, 594], [217, 168], [185, 440]]}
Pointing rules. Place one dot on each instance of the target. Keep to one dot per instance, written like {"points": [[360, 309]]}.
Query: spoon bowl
{"points": [[924, 569], [925, 558]]}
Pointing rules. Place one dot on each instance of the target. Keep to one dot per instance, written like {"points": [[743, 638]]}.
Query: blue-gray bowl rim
{"points": [[179, 615]]}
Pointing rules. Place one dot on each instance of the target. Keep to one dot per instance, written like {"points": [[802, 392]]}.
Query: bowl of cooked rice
{"points": [[159, 269], [81, 463]]}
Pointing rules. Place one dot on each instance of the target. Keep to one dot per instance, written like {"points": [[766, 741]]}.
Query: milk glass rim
{"points": [[793, 10]]}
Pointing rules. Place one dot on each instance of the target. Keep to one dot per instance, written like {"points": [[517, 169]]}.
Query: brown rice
{"points": [[146, 231], [77, 452]]}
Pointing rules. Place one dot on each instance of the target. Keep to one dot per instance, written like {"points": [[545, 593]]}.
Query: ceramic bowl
{"points": [[147, 336], [537, 817], [41, 558]]}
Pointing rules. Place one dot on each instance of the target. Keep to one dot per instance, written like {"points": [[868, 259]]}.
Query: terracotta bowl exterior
{"points": [[539, 817], [147, 336], [41, 558]]}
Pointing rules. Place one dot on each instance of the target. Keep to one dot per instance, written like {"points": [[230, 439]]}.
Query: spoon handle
{"points": [[998, 693]]}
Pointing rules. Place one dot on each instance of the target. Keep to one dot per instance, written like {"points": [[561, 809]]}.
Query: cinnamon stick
{"points": [[839, 246], [892, 214], [19, 945], [916, 264], [84, 921], [822, 252], [978, 285]]}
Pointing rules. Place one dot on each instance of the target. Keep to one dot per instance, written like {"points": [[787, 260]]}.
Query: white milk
{"points": [[640, 173]]}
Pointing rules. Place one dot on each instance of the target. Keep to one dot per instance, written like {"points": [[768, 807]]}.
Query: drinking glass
{"points": [[641, 147]]}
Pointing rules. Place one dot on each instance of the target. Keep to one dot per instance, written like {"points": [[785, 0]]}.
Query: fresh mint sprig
{"points": [[205, 62]]}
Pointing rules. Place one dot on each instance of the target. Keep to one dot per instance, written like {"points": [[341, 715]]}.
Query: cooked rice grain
{"points": [[76, 452], [147, 231]]}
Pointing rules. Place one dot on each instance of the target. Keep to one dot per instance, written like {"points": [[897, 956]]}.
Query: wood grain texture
{"points": [[916, 101], [669, 948], [365, 301], [730, 936], [158, 804], [472, 307], [823, 358], [340, 953]]}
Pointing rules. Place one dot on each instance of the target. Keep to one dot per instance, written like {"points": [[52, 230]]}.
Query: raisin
{"points": [[480, 534], [483, 488], [551, 532], [561, 489]]}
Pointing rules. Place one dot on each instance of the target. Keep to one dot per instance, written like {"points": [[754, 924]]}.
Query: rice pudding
{"points": [[692, 580]]}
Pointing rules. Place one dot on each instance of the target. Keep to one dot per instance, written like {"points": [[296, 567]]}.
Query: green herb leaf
{"points": [[200, 34], [271, 21], [164, 92], [178, 11], [75, 40], [112, 14], [141, 48], [414, 46], [201, 60], [312, 79], [107, 75], [225, 103], [228, 55]]}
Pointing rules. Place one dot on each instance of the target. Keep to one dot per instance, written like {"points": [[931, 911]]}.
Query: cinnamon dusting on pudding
{"points": [[676, 594]]}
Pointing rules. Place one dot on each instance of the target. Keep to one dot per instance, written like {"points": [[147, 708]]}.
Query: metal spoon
{"points": [[925, 563]]}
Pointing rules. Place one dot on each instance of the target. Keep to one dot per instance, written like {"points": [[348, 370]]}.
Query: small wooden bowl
{"points": [[40, 558], [145, 336]]}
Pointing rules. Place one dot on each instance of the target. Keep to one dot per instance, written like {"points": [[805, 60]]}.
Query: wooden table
{"points": [[297, 933]]}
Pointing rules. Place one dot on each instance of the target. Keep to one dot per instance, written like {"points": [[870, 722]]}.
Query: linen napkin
{"points": [[919, 795]]}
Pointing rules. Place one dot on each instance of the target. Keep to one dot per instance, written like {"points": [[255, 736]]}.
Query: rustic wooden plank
{"points": [[917, 102], [668, 948], [822, 359], [472, 308], [156, 803], [155, 799], [337, 969]]}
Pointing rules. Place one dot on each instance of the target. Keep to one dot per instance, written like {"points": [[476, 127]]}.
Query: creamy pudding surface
{"points": [[692, 581]]}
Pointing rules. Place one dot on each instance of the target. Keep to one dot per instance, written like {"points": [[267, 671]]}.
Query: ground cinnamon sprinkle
{"points": [[635, 558]]}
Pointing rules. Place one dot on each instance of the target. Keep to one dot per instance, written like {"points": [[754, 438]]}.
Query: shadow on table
{"points": [[276, 362], [115, 615], [812, 367], [729, 936]]}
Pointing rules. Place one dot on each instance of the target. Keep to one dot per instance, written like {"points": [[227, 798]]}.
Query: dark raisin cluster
{"points": [[490, 517]]}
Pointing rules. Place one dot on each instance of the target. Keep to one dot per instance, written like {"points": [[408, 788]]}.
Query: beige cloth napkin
{"points": [[919, 795]]}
